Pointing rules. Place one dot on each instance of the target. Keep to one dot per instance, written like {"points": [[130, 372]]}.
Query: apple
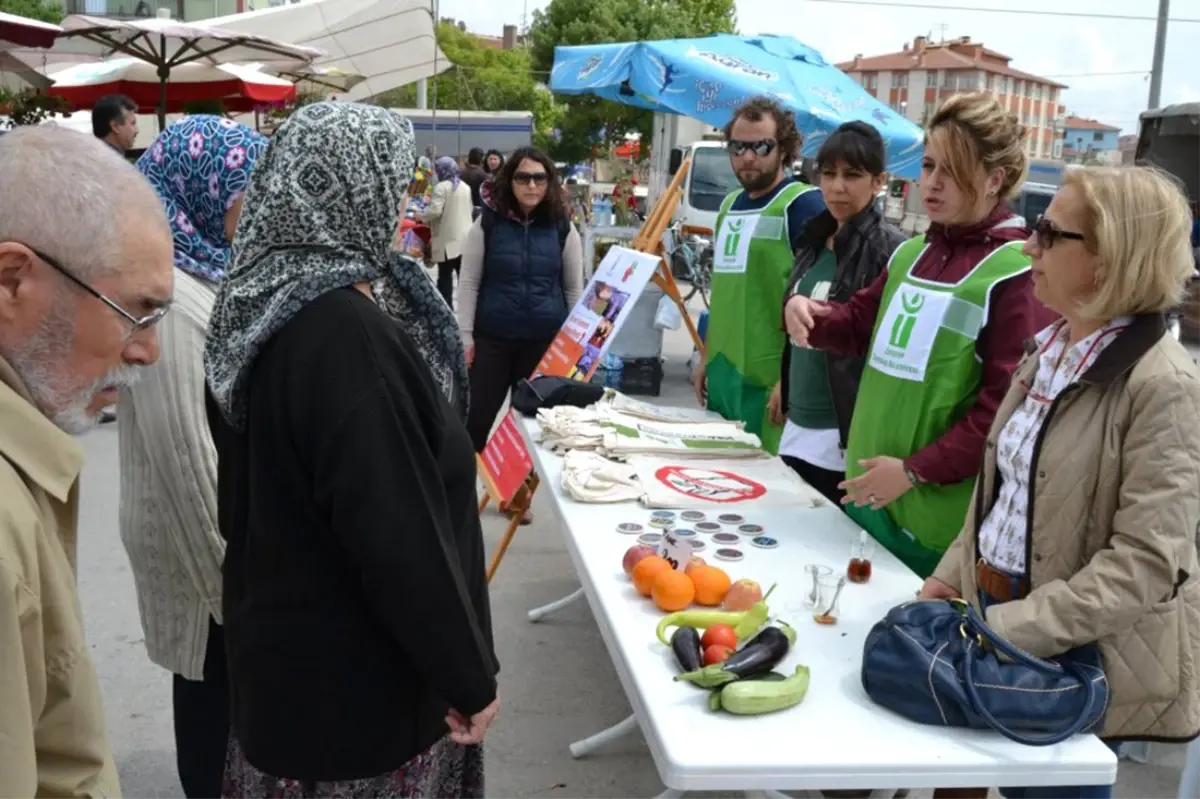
{"points": [[693, 563], [633, 555], [742, 594]]}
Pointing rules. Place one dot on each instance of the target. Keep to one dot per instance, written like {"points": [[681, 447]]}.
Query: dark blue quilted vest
{"points": [[521, 296]]}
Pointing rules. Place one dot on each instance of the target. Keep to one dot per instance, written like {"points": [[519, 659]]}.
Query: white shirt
{"points": [[1002, 535]]}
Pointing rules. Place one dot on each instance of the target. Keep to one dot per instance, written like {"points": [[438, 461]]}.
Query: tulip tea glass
{"points": [[815, 572], [859, 569], [829, 590]]}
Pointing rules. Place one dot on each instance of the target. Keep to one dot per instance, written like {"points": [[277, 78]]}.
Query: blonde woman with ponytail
{"points": [[942, 329]]}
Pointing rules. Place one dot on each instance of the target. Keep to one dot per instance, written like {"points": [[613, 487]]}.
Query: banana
{"points": [[754, 697]]}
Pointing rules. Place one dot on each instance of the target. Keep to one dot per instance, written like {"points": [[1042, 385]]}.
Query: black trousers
{"points": [[824, 480], [499, 365], [202, 722], [445, 279]]}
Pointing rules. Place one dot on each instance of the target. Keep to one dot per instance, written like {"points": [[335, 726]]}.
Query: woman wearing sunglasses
{"points": [[1083, 528], [522, 271], [942, 330], [844, 250]]}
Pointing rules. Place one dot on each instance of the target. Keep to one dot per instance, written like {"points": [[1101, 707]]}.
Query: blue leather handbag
{"points": [[927, 661]]}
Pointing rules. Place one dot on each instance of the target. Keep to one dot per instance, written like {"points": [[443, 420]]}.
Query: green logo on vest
{"points": [[734, 236], [902, 326]]}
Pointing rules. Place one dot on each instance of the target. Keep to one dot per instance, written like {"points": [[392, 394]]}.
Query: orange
{"points": [[712, 584], [673, 590], [645, 571]]}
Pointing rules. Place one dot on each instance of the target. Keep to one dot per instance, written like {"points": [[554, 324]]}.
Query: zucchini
{"points": [[755, 697]]}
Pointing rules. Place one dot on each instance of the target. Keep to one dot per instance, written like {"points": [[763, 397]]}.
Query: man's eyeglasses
{"points": [[1048, 233], [527, 178], [762, 148], [136, 324]]}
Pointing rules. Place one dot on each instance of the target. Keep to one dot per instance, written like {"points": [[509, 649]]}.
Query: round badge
{"points": [[726, 538], [662, 524], [728, 553], [630, 528], [650, 539], [730, 518], [697, 544], [683, 532], [663, 514], [751, 529], [693, 516], [708, 527], [764, 542]]}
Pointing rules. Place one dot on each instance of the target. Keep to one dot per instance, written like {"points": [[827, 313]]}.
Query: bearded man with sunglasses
{"points": [[758, 231], [85, 273]]}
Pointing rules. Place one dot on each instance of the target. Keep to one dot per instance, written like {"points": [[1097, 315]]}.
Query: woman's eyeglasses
{"points": [[530, 178], [1048, 233], [762, 148]]}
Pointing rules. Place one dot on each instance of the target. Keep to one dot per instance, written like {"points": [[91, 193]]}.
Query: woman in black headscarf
{"points": [[346, 490]]}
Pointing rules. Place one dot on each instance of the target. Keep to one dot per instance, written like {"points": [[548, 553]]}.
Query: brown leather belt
{"points": [[998, 585]]}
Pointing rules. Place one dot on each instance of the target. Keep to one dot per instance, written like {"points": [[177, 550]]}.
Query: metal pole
{"points": [[437, 23], [1160, 48], [422, 94]]}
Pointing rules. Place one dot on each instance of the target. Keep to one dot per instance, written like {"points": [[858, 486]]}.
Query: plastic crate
{"points": [[642, 377]]}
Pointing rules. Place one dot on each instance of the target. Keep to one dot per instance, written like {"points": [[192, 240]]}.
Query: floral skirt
{"points": [[445, 769]]}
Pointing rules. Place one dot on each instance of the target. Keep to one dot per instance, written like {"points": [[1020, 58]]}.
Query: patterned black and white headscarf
{"points": [[321, 214]]}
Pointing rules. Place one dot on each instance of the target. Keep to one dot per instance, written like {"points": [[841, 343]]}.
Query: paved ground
{"points": [[557, 682]]}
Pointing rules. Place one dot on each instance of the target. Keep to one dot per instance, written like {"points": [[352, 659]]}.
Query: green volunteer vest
{"points": [[922, 375], [752, 261]]}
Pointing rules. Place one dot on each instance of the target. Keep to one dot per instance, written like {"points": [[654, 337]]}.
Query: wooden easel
{"points": [[648, 240]]}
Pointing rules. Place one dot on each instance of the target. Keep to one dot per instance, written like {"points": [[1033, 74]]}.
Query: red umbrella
{"points": [[239, 89], [25, 32]]}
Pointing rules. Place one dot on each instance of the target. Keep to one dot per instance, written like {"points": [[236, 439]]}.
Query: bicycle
{"points": [[690, 260]]}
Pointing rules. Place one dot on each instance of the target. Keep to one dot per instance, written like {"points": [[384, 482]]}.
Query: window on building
{"points": [[899, 80], [1098, 136], [872, 80], [1037, 91], [930, 110]]}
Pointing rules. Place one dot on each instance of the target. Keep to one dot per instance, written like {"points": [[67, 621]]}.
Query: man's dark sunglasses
{"points": [[762, 148], [1048, 233], [137, 324], [526, 178]]}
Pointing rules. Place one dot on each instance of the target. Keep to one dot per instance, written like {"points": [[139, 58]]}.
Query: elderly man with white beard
{"points": [[85, 273]]}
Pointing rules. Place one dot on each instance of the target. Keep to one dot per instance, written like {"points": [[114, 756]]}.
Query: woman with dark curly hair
{"points": [[522, 271]]}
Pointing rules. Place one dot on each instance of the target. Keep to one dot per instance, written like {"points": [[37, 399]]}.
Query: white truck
{"points": [[707, 183]]}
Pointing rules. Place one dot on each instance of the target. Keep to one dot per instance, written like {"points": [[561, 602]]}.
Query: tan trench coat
{"points": [[1115, 509], [51, 718]]}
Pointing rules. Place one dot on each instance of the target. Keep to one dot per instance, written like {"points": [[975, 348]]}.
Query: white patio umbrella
{"points": [[167, 43], [321, 80]]}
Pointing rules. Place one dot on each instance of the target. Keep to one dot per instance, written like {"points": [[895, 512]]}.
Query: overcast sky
{"points": [[1081, 51]]}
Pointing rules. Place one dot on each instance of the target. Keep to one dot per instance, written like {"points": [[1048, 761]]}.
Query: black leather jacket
{"points": [[862, 248]]}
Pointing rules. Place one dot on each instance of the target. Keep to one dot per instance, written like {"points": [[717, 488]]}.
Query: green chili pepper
{"points": [[744, 622]]}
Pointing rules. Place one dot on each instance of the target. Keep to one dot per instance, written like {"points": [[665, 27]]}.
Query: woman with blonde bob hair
{"points": [[1084, 520], [942, 329]]}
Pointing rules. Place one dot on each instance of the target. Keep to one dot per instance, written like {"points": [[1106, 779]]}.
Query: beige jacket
{"points": [[1114, 515], [51, 718], [449, 217]]}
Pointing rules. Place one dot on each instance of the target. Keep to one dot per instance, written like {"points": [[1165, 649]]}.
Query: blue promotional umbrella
{"points": [[708, 78]]}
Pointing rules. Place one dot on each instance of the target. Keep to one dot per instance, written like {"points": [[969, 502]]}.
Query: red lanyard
{"points": [[1083, 363]]}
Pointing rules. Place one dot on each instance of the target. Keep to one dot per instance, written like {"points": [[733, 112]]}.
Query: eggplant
{"points": [[760, 654], [685, 643]]}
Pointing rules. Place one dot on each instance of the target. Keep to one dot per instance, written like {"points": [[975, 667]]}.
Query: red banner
{"points": [[506, 460]]}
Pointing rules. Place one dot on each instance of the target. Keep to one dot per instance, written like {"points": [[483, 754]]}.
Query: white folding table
{"points": [[837, 738]]}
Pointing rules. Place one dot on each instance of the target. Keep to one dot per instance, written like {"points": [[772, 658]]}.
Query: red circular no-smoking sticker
{"points": [[709, 485]]}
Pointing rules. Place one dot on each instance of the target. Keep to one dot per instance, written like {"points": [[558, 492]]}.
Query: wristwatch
{"points": [[912, 476]]}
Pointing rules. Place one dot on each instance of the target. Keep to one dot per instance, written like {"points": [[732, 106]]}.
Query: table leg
{"points": [[592, 742], [537, 614]]}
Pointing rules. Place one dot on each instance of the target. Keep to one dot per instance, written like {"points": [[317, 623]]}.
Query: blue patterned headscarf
{"points": [[447, 169], [199, 165]]}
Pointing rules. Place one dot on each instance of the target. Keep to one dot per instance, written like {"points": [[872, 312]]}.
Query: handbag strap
{"points": [[974, 624]]}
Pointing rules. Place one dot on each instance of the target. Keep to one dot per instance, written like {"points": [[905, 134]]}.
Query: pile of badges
{"points": [[726, 532]]}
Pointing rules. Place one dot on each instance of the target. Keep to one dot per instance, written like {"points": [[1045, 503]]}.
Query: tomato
{"points": [[717, 653], [721, 634]]}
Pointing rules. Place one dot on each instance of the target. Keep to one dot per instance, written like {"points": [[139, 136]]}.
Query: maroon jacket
{"points": [[1014, 315]]}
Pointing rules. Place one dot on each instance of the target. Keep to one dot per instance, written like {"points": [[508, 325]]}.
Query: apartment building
{"points": [[1086, 141], [916, 79]]}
